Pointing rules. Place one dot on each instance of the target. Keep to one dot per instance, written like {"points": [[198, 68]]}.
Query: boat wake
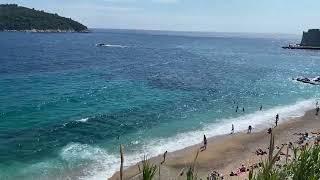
{"points": [[83, 120], [110, 45]]}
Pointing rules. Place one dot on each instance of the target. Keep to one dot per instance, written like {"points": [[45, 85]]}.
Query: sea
{"points": [[66, 104]]}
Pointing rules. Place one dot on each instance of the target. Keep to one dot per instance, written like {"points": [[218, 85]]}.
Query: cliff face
{"points": [[311, 38]]}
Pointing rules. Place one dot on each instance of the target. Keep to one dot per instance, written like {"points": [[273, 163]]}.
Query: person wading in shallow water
{"points": [[277, 119], [261, 108], [204, 147], [232, 129], [317, 111], [249, 129]]}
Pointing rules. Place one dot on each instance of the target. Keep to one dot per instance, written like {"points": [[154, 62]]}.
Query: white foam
{"points": [[83, 120], [101, 162], [107, 164], [114, 45]]}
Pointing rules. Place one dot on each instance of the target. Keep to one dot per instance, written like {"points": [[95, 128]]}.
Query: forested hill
{"points": [[18, 18]]}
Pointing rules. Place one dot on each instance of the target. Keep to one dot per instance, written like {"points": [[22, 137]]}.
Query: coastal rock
{"points": [[310, 40], [313, 81]]}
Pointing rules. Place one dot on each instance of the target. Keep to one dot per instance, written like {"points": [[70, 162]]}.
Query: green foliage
{"points": [[148, 170], [191, 173], [306, 166], [268, 170], [14, 17]]}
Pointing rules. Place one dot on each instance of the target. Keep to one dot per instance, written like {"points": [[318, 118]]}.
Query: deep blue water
{"points": [[65, 104]]}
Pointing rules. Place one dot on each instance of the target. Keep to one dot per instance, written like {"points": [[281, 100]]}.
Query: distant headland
{"points": [[17, 18], [310, 40]]}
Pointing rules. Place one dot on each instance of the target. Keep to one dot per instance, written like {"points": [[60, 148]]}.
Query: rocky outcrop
{"points": [[311, 38]]}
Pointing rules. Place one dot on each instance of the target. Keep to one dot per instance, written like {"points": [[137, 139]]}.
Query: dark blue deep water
{"points": [[66, 105]]}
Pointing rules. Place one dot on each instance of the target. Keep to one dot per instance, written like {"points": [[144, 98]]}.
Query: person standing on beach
{"points": [[277, 119], [261, 108], [317, 110], [249, 129], [204, 147], [232, 129], [164, 157]]}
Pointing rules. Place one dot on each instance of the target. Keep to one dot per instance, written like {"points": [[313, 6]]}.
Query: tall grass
{"points": [[148, 170], [192, 173], [305, 165], [268, 170]]}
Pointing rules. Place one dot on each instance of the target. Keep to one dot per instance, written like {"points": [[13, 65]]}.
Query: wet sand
{"points": [[228, 152]]}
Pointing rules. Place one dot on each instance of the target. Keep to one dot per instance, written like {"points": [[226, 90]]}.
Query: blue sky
{"points": [[261, 16]]}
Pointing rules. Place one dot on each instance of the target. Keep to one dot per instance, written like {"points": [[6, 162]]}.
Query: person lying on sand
{"points": [[233, 174], [254, 166], [260, 152], [300, 141], [315, 133], [284, 154], [243, 168], [299, 134], [240, 171], [214, 175]]}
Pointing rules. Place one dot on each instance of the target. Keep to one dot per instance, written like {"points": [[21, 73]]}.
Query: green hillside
{"points": [[18, 18]]}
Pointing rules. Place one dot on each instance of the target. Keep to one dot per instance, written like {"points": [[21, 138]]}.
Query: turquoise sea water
{"points": [[66, 105]]}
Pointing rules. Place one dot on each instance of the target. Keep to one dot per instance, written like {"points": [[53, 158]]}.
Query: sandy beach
{"points": [[228, 152]]}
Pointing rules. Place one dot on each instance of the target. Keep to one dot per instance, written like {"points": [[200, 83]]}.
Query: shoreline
{"points": [[226, 153], [47, 31]]}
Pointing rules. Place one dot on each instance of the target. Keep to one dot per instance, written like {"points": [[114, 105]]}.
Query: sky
{"points": [[259, 16]]}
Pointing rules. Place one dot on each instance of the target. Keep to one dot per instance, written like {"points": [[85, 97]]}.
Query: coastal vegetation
{"points": [[18, 18], [304, 164], [148, 170]]}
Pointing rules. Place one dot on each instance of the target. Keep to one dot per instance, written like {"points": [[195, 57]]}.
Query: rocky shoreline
{"points": [[48, 31]]}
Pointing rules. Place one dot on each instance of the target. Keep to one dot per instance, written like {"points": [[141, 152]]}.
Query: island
{"points": [[310, 40], [18, 18]]}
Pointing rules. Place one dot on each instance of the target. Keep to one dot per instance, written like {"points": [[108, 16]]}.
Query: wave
{"points": [[259, 120], [97, 163]]}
